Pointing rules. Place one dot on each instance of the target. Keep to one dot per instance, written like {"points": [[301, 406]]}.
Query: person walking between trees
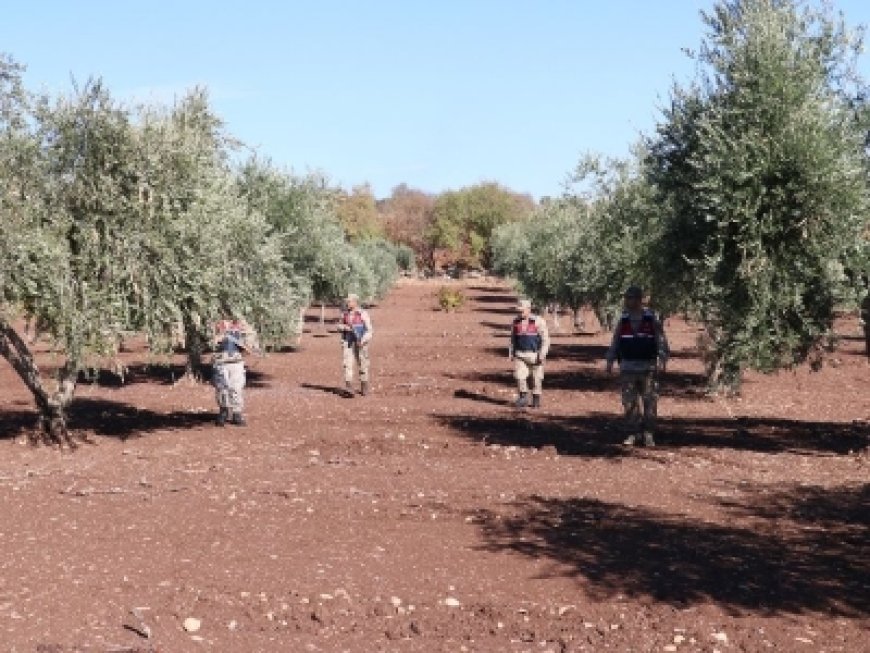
{"points": [[530, 343], [640, 346], [356, 334], [232, 338]]}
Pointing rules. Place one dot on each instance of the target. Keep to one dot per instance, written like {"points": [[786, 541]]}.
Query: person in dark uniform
{"points": [[530, 343], [640, 346]]}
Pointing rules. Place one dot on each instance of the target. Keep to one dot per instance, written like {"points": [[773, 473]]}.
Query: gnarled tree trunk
{"points": [[52, 407], [195, 348]]}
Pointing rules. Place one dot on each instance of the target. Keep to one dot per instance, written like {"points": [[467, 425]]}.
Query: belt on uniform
{"points": [[224, 359]]}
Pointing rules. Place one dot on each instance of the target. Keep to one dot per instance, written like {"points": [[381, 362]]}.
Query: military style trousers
{"points": [[229, 381], [525, 365], [355, 354], [640, 387]]}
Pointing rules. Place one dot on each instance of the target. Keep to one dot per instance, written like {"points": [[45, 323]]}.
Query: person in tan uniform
{"points": [[530, 344], [640, 346], [356, 330], [233, 337]]}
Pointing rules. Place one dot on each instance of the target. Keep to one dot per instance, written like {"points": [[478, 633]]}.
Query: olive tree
{"points": [[583, 249], [216, 251], [761, 168], [69, 188], [381, 258]]}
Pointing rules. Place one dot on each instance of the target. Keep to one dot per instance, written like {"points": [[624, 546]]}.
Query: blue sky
{"points": [[437, 95]]}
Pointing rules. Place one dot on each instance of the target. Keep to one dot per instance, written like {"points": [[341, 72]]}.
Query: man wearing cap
{"points": [[356, 330], [640, 346], [530, 343]]}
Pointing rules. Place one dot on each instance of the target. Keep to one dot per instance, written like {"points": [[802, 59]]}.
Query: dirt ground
{"points": [[431, 515]]}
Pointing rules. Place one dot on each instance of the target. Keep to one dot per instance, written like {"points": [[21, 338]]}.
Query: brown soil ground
{"points": [[431, 515]]}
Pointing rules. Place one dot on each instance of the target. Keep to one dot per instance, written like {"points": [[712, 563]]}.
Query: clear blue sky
{"points": [[438, 94]]}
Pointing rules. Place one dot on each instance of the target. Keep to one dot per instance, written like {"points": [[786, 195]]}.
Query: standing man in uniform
{"points": [[232, 338], [530, 343], [640, 346], [356, 334]]}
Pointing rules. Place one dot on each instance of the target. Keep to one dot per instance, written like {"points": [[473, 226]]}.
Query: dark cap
{"points": [[634, 292]]}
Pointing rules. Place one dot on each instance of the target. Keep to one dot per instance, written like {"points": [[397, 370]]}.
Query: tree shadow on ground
{"points": [[489, 289], [593, 435], [495, 298], [477, 396], [764, 435], [585, 353], [682, 385], [599, 434], [168, 374], [580, 380], [844, 510], [106, 418], [616, 549], [17, 422], [334, 390], [498, 326], [686, 354], [497, 311], [588, 353], [499, 304]]}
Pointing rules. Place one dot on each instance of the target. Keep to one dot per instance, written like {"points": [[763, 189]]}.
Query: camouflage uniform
{"points": [[356, 334], [530, 344], [640, 346], [232, 338]]}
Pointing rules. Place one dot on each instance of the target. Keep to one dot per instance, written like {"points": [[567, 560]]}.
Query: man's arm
{"points": [[545, 339], [664, 350], [217, 329], [250, 339], [512, 345], [367, 320], [613, 350]]}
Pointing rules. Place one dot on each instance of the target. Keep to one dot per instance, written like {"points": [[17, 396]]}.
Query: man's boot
{"points": [[239, 419], [222, 417], [364, 388], [523, 400], [536, 401], [348, 389]]}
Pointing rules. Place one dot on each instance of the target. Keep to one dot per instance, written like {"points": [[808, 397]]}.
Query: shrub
{"points": [[449, 299]]}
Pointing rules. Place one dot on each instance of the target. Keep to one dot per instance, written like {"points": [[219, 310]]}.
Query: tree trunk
{"points": [[195, 348], [52, 407], [579, 326], [300, 326], [723, 378], [322, 314], [865, 316], [557, 327]]}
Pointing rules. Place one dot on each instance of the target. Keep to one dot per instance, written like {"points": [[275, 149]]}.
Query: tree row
{"points": [[748, 208]]}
